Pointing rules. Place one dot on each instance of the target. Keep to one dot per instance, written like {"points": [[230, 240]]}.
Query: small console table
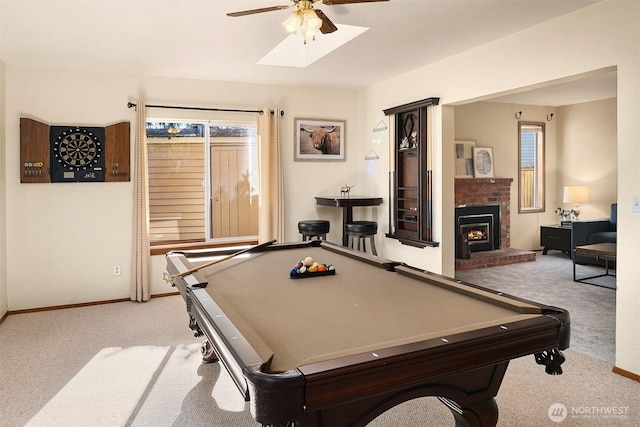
{"points": [[556, 237]]}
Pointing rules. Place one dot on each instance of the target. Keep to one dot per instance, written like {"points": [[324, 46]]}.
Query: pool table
{"points": [[340, 349]]}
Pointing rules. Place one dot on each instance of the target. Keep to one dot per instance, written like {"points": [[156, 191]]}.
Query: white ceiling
{"points": [[575, 90], [195, 38]]}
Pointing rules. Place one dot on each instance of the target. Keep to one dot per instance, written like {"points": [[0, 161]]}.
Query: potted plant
{"points": [[566, 214]]}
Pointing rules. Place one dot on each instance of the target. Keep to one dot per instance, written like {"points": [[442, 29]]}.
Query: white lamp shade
{"points": [[576, 194]]}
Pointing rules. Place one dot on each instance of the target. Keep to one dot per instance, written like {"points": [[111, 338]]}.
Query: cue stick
{"points": [[169, 278]]}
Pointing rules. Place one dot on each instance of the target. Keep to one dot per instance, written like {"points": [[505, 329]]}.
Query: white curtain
{"points": [[140, 241], [271, 216]]}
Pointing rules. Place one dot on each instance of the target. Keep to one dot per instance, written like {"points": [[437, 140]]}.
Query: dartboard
{"points": [[77, 149], [76, 154]]}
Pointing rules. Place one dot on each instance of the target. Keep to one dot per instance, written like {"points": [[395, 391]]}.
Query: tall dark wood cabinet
{"points": [[411, 218]]}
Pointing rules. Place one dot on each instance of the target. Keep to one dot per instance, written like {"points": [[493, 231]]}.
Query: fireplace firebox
{"points": [[481, 226]]}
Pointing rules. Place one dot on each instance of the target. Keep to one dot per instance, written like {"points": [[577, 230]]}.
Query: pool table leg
{"points": [[480, 414]]}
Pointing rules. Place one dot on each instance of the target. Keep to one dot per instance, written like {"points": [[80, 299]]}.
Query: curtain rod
{"points": [[132, 105]]}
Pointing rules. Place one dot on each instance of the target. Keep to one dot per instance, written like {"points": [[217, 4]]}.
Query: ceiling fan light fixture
{"points": [[306, 22], [311, 20], [305, 19], [309, 33], [293, 22], [311, 24]]}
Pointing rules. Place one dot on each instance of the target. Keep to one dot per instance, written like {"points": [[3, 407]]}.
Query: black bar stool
{"points": [[358, 231], [311, 228]]}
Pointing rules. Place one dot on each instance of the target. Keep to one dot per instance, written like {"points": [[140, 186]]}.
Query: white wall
{"points": [[588, 154], [64, 239], [3, 199], [601, 36]]}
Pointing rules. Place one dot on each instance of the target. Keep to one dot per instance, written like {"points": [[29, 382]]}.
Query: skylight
{"points": [[293, 52]]}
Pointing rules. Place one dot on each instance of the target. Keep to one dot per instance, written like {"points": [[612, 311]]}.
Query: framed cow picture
{"points": [[319, 139]]}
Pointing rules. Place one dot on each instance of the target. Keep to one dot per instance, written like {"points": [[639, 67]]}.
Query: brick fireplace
{"points": [[490, 191]]}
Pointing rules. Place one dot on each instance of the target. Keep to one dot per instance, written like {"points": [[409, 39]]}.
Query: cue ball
{"points": [[308, 261]]}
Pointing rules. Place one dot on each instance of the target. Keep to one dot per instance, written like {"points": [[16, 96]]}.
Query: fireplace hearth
{"points": [[488, 191]]}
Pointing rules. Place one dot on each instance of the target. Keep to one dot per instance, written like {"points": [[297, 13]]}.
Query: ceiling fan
{"points": [[305, 18]]}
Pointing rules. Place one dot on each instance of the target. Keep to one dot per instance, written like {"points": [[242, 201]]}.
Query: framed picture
{"points": [[483, 162], [319, 139], [464, 159]]}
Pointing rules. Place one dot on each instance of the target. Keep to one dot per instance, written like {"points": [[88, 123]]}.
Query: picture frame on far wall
{"points": [[464, 159], [483, 162], [319, 139]]}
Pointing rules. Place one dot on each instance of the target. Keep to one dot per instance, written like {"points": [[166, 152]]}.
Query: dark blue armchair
{"points": [[593, 231]]}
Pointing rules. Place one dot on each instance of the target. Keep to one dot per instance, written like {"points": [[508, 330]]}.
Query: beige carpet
{"points": [[168, 386], [138, 364], [549, 280]]}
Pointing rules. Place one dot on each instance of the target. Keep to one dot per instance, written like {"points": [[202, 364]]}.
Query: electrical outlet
{"points": [[116, 270], [635, 203]]}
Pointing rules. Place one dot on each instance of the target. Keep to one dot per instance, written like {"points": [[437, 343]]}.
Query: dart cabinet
{"points": [[117, 152], [34, 151], [74, 153]]}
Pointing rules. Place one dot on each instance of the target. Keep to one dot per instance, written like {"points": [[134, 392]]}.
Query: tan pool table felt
{"points": [[359, 309]]}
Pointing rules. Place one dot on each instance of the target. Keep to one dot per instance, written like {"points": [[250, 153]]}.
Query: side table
{"points": [[604, 251], [556, 237]]}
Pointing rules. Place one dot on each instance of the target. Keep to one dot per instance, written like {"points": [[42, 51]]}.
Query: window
{"points": [[531, 139], [203, 181]]}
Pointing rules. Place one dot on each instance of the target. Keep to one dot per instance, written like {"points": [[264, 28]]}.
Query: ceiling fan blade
{"points": [[263, 9], [327, 26], [338, 2]]}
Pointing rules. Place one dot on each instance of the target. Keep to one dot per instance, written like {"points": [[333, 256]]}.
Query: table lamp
{"points": [[576, 194]]}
